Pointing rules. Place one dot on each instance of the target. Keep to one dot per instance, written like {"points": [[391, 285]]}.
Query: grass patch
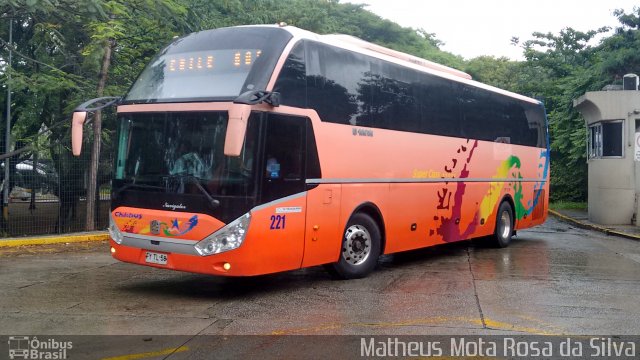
{"points": [[568, 205]]}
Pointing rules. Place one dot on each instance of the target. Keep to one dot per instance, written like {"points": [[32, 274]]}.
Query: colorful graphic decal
{"points": [[450, 227], [492, 197], [177, 227], [544, 155], [187, 226], [130, 226]]}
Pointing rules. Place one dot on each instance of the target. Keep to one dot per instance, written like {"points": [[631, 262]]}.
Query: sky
{"points": [[472, 28]]}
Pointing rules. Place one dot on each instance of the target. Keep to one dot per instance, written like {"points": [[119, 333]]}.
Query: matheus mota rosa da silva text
{"points": [[501, 346]]}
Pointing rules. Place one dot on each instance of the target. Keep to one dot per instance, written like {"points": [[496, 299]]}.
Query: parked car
{"points": [[44, 180]]}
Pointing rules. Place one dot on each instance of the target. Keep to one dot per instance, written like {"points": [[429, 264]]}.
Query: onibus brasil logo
{"points": [[25, 347]]}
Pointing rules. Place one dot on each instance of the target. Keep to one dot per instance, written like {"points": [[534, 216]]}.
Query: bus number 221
{"points": [[277, 222]]}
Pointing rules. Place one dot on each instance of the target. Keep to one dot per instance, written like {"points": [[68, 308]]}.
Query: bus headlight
{"points": [[228, 238], [114, 232]]}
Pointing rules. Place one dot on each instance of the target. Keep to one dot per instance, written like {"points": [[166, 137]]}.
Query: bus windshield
{"points": [[182, 153], [211, 65]]}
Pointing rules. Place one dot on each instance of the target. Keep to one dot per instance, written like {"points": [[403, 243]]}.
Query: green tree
{"points": [[561, 67], [59, 49], [109, 37], [499, 72], [557, 70]]}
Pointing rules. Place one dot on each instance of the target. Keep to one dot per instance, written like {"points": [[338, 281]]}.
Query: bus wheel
{"points": [[504, 226], [360, 248]]}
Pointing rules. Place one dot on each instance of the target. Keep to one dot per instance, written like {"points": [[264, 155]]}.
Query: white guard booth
{"points": [[612, 118]]}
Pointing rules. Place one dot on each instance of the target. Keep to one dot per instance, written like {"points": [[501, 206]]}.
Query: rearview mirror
{"points": [[80, 117], [77, 123]]}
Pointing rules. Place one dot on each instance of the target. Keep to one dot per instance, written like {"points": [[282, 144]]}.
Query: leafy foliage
{"points": [[572, 68], [58, 47], [557, 69]]}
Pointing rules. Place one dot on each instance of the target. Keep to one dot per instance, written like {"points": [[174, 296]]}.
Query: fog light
{"points": [[113, 250], [226, 266]]}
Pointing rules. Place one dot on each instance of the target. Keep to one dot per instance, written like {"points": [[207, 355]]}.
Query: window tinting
{"points": [[491, 117], [284, 157], [292, 81], [333, 78], [220, 63], [350, 88], [387, 97], [439, 102]]}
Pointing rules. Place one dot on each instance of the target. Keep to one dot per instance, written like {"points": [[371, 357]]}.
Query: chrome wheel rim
{"points": [[505, 225], [357, 245]]}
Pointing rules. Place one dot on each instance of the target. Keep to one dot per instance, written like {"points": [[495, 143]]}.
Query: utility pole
{"points": [[7, 135]]}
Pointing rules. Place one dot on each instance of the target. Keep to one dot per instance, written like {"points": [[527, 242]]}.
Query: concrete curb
{"points": [[48, 240], [588, 226], [104, 236]]}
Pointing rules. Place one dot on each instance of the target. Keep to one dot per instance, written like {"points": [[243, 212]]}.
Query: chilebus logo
{"points": [[32, 348]]}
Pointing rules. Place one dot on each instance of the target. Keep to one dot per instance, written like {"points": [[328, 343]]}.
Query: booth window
{"points": [[605, 139]]}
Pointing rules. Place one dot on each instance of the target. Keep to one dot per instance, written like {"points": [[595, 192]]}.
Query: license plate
{"points": [[155, 258]]}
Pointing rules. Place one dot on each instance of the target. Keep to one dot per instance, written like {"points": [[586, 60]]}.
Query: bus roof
{"points": [[396, 54]]}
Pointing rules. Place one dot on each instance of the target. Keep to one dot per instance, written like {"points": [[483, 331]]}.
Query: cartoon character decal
{"points": [[177, 227]]}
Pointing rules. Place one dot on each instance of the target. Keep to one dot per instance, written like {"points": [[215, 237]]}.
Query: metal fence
{"points": [[48, 193]]}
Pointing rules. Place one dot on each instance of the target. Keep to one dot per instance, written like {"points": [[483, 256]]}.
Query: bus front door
{"points": [[283, 187]]}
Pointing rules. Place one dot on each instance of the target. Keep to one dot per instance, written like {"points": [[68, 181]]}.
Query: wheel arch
{"points": [[509, 200], [374, 212]]}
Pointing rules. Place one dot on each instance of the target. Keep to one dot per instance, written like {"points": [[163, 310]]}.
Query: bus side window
{"points": [[284, 157], [292, 80], [336, 81]]}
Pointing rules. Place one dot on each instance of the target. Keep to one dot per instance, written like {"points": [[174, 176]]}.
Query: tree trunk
{"points": [[34, 182], [90, 223]]}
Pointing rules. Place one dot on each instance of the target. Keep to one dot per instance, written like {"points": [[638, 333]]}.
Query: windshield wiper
{"points": [[215, 203], [134, 185]]}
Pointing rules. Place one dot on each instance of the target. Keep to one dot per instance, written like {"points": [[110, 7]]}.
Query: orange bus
{"points": [[258, 149]]}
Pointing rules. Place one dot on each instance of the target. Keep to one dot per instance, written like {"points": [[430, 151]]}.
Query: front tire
{"points": [[504, 226], [360, 248]]}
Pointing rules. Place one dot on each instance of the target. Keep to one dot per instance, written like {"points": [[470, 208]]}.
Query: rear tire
{"points": [[504, 226], [360, 248]]}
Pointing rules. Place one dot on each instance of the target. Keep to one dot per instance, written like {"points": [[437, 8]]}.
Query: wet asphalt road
{"points": [[553, 279]]}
